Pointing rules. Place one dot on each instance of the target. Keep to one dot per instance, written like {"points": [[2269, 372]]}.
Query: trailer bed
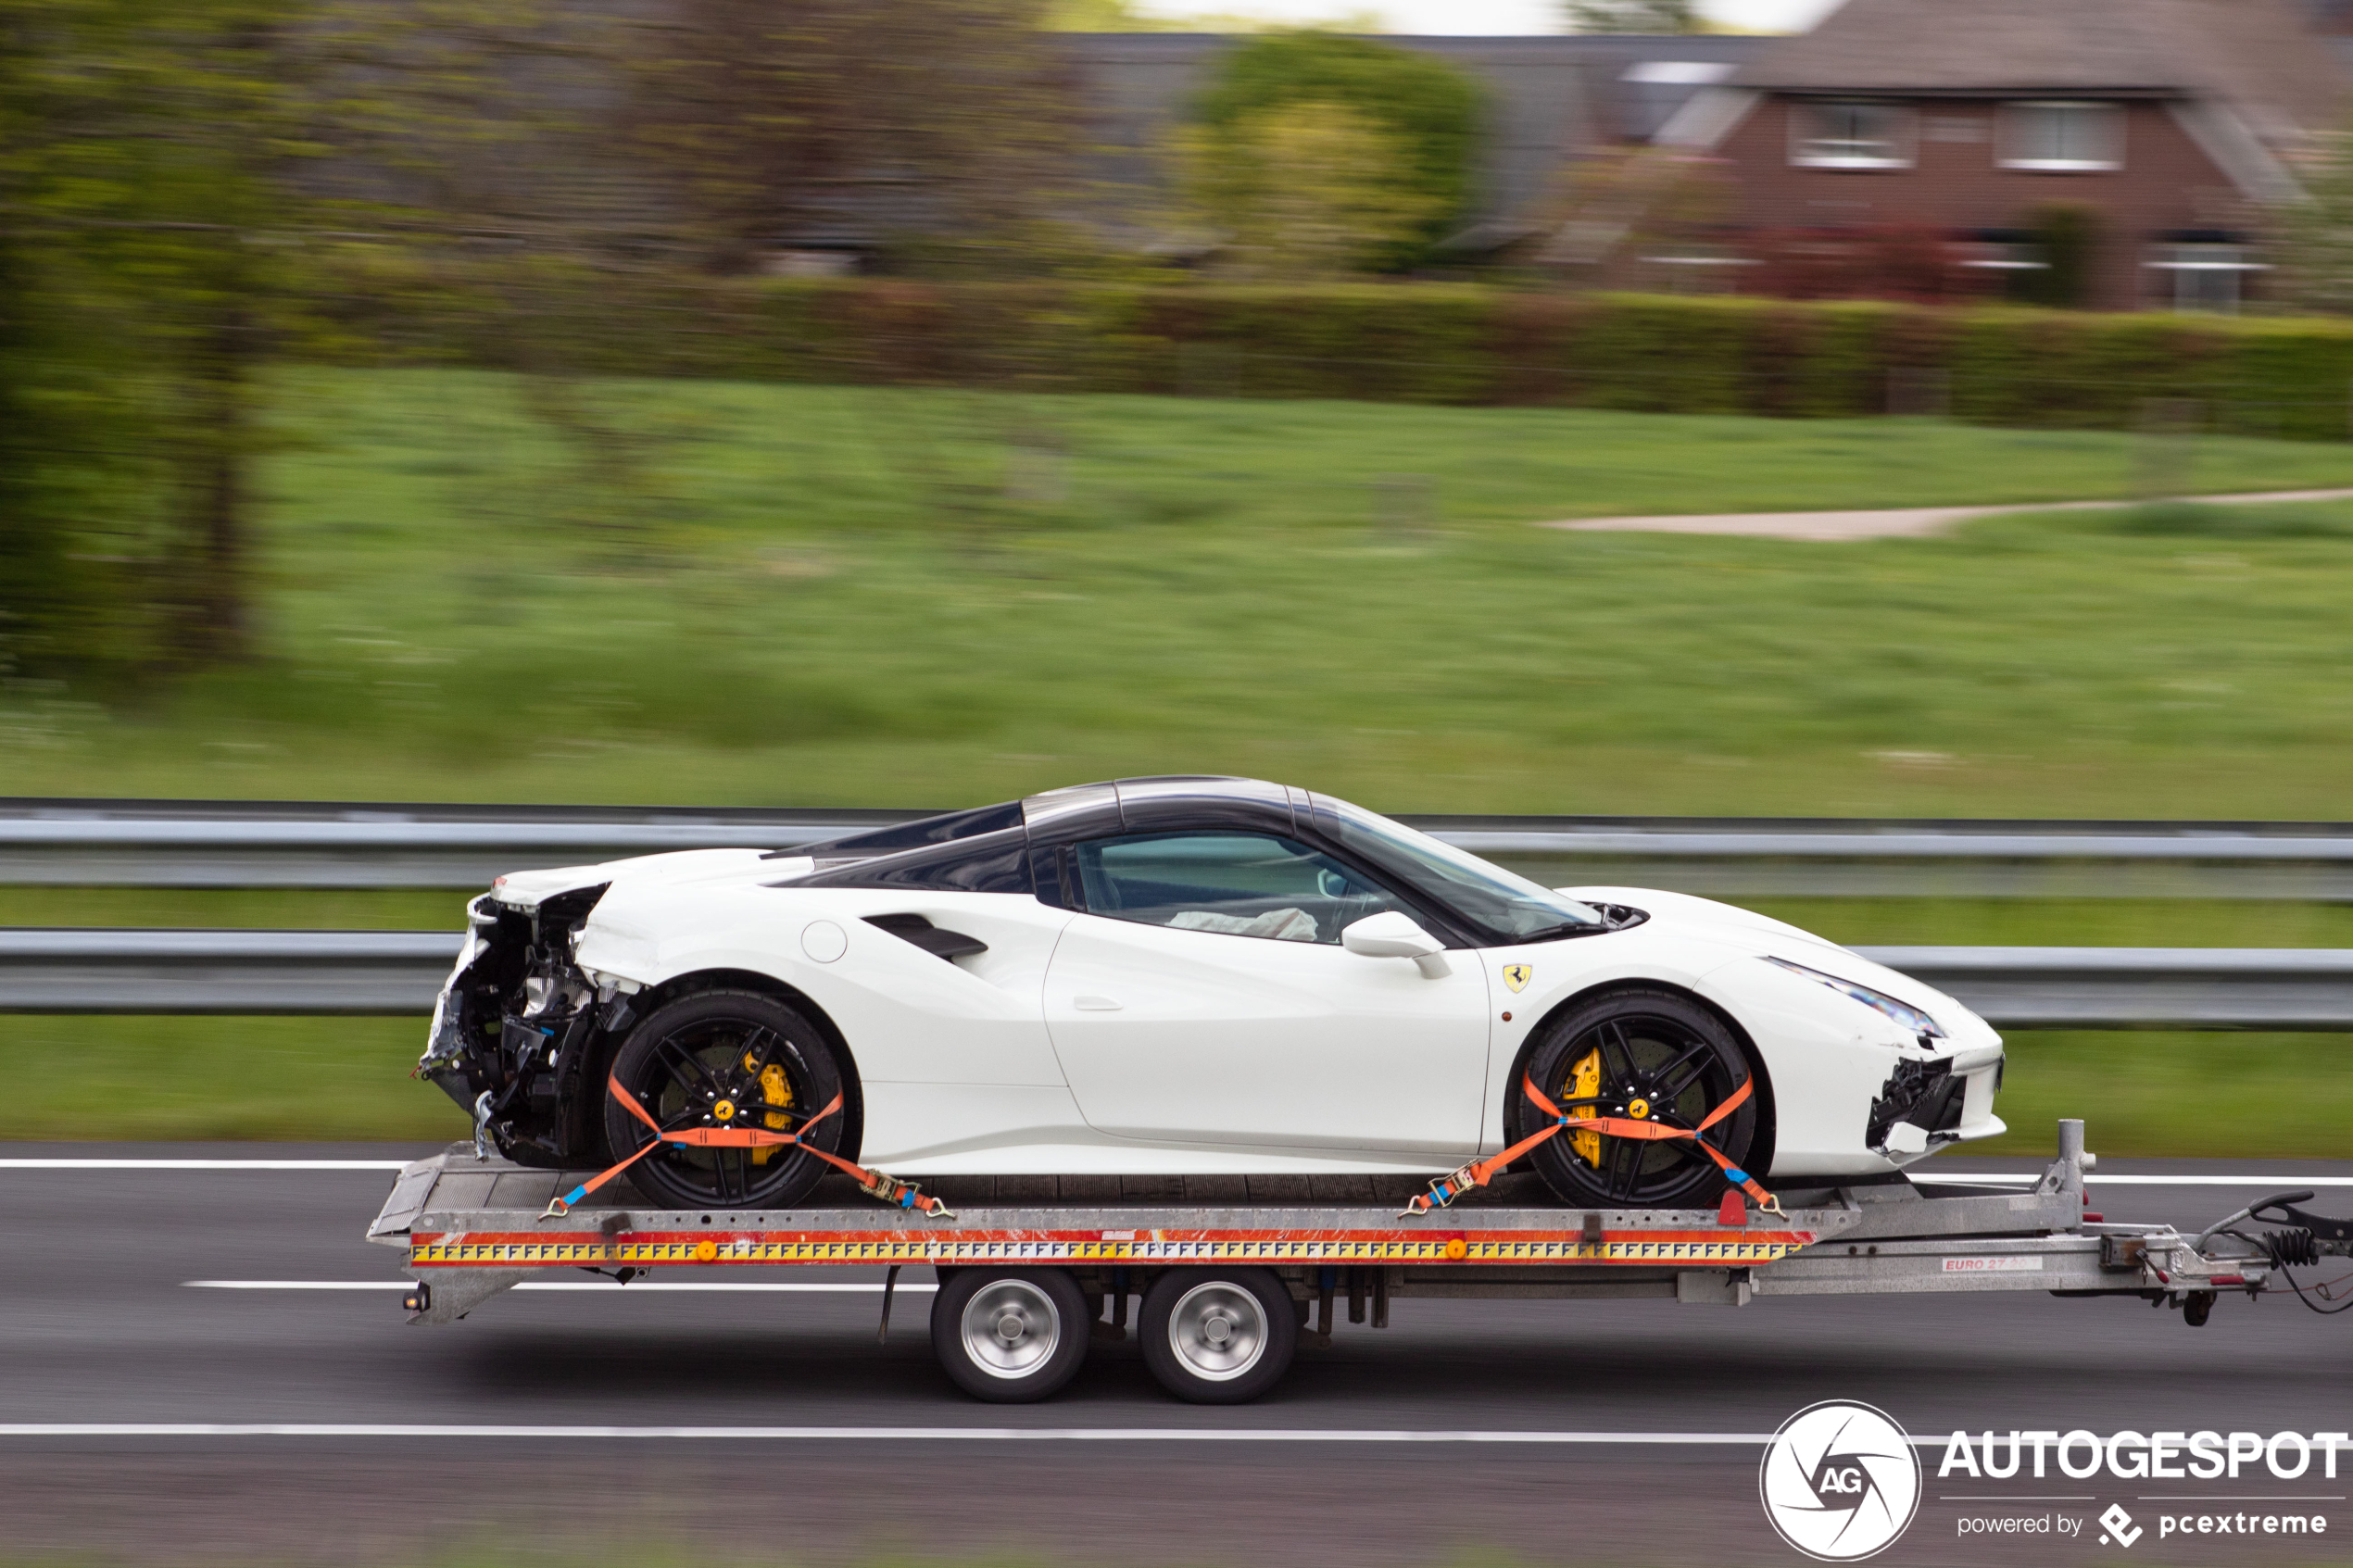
{"points": [[474, 1226]]}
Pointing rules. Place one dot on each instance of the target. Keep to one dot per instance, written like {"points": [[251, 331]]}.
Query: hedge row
{"points": [[1427, 343]]}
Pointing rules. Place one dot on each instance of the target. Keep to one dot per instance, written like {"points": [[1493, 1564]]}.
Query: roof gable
{"points": [[2257, 56]]}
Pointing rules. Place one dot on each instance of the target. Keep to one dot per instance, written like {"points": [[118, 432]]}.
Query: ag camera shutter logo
{"points": [[1840, 1481]]}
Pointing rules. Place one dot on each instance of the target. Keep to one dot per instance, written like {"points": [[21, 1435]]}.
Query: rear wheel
{"points": [[1010, 1336], [1638, 1056], [1218, 1336], [725, 1059]]}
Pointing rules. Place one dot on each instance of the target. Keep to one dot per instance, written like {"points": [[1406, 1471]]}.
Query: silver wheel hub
{"points": [[1218, 1331], [1011, 1328]]}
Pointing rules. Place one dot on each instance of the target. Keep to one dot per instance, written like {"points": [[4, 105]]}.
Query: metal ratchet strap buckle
{"points": [[1443, 1191], [903, 1195]]}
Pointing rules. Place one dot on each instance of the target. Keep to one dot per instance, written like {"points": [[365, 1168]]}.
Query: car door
{"points": [[1202, 996]]}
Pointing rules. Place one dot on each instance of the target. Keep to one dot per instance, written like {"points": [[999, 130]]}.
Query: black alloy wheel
{"points": [[1638, 1056], [725, 1059]]}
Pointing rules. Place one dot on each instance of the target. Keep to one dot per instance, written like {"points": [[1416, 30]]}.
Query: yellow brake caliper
{"points": [[1584, 1082], [773, 1090]]}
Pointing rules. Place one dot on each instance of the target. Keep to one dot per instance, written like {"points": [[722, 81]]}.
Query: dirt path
{"points": [[1905, 522]]}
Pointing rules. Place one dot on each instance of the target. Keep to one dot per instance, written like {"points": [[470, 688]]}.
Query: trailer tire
{"points": [[1218, 1336], [1010, 1336]]}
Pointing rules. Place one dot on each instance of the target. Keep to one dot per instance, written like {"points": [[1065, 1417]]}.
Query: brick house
{"points": [[2172, 129]]}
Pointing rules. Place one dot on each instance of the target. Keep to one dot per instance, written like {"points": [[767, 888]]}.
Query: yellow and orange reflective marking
{"points": [[525, 1250]]}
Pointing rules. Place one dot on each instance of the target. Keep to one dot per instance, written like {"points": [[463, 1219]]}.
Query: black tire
{"points": [[1641, 1055], [1218, 1336], [706, 1060], [1010, 1336]]}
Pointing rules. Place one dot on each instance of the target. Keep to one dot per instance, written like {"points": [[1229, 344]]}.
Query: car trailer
{"points": [[1229, 1290]]}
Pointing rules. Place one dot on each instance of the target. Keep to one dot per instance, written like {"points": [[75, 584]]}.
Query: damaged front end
{"points": [[1917, 1108], [521, 1035]]}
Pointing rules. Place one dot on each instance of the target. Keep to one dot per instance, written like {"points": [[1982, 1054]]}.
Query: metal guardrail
{"points": [[2139, 988], [400, 971], [224, 972], [202, 844]]}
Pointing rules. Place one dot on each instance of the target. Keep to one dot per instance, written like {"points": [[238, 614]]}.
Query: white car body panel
{"points": [[1194, 1038], [1079, 1044]]}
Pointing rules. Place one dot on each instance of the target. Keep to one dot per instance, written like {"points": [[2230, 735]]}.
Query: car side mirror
{"points": [[1393, 935]]}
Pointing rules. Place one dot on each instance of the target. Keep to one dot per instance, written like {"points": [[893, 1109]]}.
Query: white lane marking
{"points": [[874, 1434], [2101, 1178], [31, 1164], [859, 1286]]}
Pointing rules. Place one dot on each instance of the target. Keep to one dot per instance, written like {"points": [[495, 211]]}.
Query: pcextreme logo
{"points": [[1840, 1481]]}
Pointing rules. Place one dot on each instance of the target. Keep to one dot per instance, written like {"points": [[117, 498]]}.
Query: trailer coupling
{"points": [[2296, 1238]]}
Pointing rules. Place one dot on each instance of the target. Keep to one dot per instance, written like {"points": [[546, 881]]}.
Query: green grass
{"points": [[403, 909], [324, 1079], [2240, 1096], [779, 594], [2064, 922]]}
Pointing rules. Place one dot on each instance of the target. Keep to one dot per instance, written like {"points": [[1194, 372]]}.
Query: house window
{"points": [[2062, 138], [1829, 135], [2207, 277]]}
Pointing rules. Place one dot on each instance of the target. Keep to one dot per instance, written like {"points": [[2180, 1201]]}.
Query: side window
{"points": [[1240, 884], [1865, 135]]}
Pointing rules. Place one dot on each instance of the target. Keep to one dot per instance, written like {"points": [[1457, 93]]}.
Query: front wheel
{"points": [[1638, 1056], [725, 1059]]}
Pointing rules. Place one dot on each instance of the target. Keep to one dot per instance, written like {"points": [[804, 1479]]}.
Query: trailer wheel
{"points": [[1218, 1336], [1010, 1336]]}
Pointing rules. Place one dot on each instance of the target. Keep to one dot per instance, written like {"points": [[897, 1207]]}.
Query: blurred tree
{"points": [[138, 189], [2316, 240], [1327, 104], [1307, 189], [793, 125], [1635, 15]]}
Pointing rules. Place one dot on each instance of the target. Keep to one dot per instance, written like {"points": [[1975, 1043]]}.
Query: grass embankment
{"points": [[745, 595], [759, 594]]}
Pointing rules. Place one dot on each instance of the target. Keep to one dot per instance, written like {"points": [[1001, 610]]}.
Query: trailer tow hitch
{"points": [[2300, 1240]]}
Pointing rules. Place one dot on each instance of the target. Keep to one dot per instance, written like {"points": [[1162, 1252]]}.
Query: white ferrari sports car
{"points": [[1178, 976]]}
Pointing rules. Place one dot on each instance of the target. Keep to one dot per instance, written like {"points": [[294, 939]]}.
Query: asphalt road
{"points": [[98, 1325]]}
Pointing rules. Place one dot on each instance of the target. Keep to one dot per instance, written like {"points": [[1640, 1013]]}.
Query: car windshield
{"points": [[1505, 906]]}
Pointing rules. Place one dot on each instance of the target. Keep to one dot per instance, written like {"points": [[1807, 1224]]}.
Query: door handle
{"points": [[1094, 1004]]}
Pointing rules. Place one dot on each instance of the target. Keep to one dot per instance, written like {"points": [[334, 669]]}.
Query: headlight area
{"points": [[1923, 1103], [515, 1032], [1910, 1018]]}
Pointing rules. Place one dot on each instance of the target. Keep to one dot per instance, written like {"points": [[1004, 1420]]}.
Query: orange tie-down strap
{"points": [[1444, 1190], [890, 1189]]}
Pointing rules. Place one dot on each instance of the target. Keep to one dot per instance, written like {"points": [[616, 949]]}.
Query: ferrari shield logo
{"points": [[1516, 975]]}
